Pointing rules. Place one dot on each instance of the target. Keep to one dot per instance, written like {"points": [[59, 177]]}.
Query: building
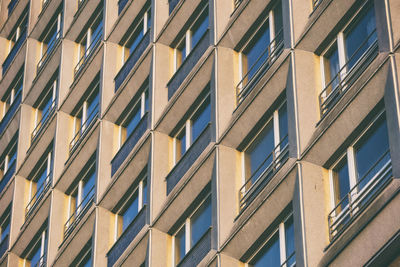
{"points": [[199, 132]]}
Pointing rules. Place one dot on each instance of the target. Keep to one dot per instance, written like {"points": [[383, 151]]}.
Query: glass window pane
{"points": [[358, 40], [341, 183], [201, 119], [258, 154], [289, 240], [269, 254], [135, 38], [144, 191], [283, 125], [199, 28], [180, 245], [5, 229], [181, 144], [35, 256], [201, 221], [278, 18], [332, 67], [133, 120], [131, 211], [372, 153]]}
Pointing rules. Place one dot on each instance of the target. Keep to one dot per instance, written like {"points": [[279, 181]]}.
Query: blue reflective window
{"points": [[289, 242], [269, 254], [200, 28], [332, 67], [180, 245], [283, 124], [135, 38], [361, 37], [131, 211], [201, 119], [5, 228], [181, 144], [201, 221], [341, 182], [133, 120]]}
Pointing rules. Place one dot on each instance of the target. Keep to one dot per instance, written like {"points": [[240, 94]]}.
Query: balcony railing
{"points": [[7, 177], [43, 121], [11, 6], [76, 217], [172, 5], [127, 237], [187, 160], [290, 261], [129, 144], [89, 51], [263, 174], [4, 245], [237, 2], [347, 75], [38, 196], [10, 112], [42, 261], [121, 5], [50, 46], [316, 3], [198, 251], [189, 63], [85, 127], [132, 59], [80, 3], [260, 66], [360, 196], [10, 57]]}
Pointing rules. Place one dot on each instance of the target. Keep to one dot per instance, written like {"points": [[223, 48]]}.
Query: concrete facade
{"points": [[128, 122]]}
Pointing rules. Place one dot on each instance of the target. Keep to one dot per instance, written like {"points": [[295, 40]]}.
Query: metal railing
{"points": [[89, 51], [257, 180], [4, 245], [13, 52], [11, 111], [76, 217], [347, 76], [50, 45], [38, 196], [316, 3], [121, 5], [359, 197], [80, 3], [41, 262], [84, 129], [290, 261], [11, 6], [237, 3], [43, 121], [263, 62]]}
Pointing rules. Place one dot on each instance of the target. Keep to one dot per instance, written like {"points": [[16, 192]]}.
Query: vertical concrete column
{"points": [[69, 59], [225, 186], [220, 14], [24, 133], [160, 249], [57, 219], [394, 20], [61, 141], [110, 67], [13, 259], [311, 207], [102, 234], [110, 12], [162, 62], [69, 10], [302, 98], [295, 18], [3, 13], [20, 198], [32, 57], [160, 14], [159, 153], [105, 155]]}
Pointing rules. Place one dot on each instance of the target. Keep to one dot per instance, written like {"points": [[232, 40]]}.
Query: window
{"points": [[49, 39], [192, 129], [12, 94], [5, 226], [131, 207], [36, 255], [18, 31], [267, 148], [279, 248], [9, 157], [195, 226], [137, 33], [191, 38], [257, 49], [352, 48], [133, 117], [359, 173]]}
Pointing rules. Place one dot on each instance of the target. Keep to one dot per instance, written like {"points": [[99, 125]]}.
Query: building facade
{"points": [[199, 133]]}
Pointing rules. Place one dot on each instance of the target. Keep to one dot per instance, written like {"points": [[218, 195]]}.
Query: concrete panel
{"points": [[159, 249]]}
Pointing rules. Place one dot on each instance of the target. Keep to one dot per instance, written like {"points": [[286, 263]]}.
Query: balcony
{"points": [[188, 159], [127, 237], [4, 245], [131, 61], [11, 6], [263, 63], [198, 252], [172, 5], [348, 75], [121, 5], [42, 261], [85, 127], [7, 177], [272, 163], [13, 52], [89, 51], [237, 3], [80, 211], [43, 121], [129, 144], [50, 47], [188, 64], [316, 3], [360, 196], [38, 196], [10, 112]]}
